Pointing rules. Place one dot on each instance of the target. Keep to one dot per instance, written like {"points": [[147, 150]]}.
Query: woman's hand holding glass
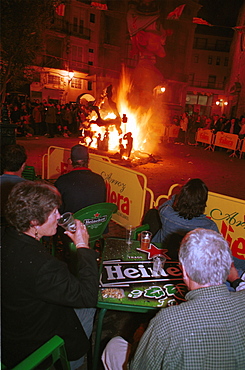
{"points": [[81, 237]]}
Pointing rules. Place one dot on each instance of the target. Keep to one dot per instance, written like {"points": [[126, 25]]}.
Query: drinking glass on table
{"points": [[129, 235], [145, 240], [158, 265], [68, 222]]}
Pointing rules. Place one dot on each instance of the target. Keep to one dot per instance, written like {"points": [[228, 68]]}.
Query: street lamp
{"points": [[222, 104], [159, 89], [70, 75]]}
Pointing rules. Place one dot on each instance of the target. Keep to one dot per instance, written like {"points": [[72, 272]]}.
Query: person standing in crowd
{"points": [[183, 128], [205, 332], [232, 126], [194, 125], [242, 128], [220, 124], [66, 118], [207, 124], [26, 120], [13, 163], [40, 297], [15, 115], [50, 119], [182, 213], [59, 120], [37, 118]]}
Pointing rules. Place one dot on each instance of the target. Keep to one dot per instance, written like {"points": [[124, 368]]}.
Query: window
{"points": [[91, 57], [210, 59], [81, 26], [111, 31], [211, 81], [217, 61], [54, 80], [196, 58], [77, 83], [226, 61], [76, 53], [90, 85], [75, 24], [92, 18], [200, 43]]}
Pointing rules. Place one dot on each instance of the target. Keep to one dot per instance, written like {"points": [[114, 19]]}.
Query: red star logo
{"points": [[153, 250], [97, 214]]}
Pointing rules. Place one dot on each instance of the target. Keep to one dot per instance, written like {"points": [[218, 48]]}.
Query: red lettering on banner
{"points": [[226, 141], [204, 136], [122, 202], [237, 246]]}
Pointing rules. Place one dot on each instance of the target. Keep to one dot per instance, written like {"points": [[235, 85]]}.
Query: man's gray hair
{"points": [[206, 256]]}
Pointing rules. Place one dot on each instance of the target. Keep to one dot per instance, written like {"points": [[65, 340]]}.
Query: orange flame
{"points": [[139, 123]]}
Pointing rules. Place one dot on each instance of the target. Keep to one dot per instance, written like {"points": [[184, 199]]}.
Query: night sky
{"points": [[220, 13]]}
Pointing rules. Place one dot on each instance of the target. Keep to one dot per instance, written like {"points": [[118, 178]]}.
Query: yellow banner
{"points": [[226, 140], [126, 188], [229, 215], [204, 136]]}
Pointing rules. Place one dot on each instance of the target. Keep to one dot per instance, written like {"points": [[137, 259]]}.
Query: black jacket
{"points": [[80, 188], [38, 297]]}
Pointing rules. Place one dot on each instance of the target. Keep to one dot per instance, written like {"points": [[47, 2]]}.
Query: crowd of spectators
{"points": [[51, 119], [46, 118], [190, 123]]}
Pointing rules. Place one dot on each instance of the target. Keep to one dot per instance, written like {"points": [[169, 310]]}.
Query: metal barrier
{"points": [[227, 141], [205, 137]]}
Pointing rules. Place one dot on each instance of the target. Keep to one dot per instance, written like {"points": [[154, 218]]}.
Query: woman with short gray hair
{"points": [[39, 293]]}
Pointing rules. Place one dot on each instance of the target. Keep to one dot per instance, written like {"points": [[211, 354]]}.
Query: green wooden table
{"points": [[127, 284]]}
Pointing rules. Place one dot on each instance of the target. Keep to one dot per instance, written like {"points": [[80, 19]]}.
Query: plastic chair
{"points": [[96, 218], [29, 173], [54, 349]]}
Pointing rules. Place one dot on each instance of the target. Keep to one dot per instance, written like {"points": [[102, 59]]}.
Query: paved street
{"points": [[174, 164]]}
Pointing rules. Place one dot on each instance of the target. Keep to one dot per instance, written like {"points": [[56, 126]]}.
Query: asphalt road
{"points": [[173, 164]]}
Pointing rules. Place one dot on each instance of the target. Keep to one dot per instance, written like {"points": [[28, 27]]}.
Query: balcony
{"points": [[207, 84], [206, 44], [50, 61], [70, 29]]}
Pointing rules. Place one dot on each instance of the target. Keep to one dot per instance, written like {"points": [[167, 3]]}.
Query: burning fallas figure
{"points": [[148, 39], [132, 113]]}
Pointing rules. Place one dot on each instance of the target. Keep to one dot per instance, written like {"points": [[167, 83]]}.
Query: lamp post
{"points": [[222, 103]]}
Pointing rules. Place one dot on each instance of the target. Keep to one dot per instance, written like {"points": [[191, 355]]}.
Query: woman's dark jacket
{"points": [[38, 297]]}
